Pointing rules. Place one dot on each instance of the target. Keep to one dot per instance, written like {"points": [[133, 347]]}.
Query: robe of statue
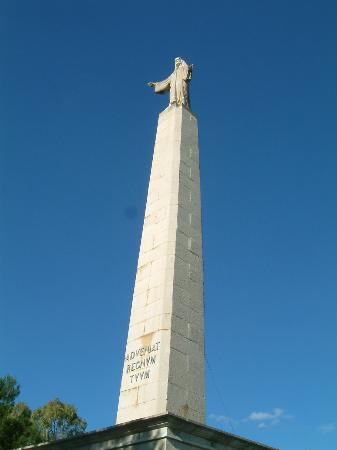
{"points": [[177, 84]]}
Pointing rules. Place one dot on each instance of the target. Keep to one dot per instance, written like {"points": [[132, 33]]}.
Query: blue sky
{"points": [[77, 127]]}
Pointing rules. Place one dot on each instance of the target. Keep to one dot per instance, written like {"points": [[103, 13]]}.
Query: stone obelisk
{"points": [[163, 374], [164, 358]]}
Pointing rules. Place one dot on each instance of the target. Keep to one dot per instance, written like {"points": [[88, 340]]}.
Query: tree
{"points": [[57, 420], [16, 426], [20, 426], [9, 390]]}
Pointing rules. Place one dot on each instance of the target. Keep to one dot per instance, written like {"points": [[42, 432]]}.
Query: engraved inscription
{"points": [[138, 363]]}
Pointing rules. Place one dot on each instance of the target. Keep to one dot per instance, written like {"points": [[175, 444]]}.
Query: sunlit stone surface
{"points": [[164, 357]]}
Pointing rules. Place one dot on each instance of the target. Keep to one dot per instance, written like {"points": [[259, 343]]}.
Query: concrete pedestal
{"points": [[166, 432]]}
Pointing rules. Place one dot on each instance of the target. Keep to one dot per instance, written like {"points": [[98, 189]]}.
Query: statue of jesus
{"points": [[176, 83]]}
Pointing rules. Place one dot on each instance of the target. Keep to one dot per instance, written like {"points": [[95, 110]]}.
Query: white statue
{"points": [[176, 83]]}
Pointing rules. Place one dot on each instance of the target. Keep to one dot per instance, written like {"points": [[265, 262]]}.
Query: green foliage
{"points": [[9, 390], [19, 426], [57, 420], [16, 426]]}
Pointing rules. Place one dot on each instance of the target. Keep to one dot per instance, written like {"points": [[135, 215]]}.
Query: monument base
{"points": [[164, 432]]}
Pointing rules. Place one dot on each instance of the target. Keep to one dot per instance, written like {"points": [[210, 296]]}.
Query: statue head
{"points": [[178, 61]]}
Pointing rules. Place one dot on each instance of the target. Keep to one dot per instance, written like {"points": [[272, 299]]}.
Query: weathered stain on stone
{"points": [[146, 339], [184, 410], [137, 399]]}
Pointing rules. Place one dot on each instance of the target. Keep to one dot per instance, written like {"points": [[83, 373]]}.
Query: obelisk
{"points": [[161, 402], [164, 358]]}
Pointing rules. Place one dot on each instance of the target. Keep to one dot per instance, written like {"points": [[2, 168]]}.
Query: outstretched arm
{"points": [[160, 86]]}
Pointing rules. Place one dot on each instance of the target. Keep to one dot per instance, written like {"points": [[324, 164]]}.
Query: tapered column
{"points": [[164, 358]]}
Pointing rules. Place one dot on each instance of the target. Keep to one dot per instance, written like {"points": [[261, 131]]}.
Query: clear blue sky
{"points": [[77, 127]]}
